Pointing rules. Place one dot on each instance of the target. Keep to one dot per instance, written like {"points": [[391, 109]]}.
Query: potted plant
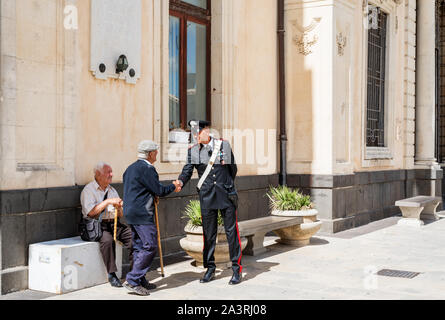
{"points": [[285, 202], [193, 243]]}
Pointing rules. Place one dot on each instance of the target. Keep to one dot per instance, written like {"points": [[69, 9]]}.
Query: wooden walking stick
{"points": [[116, 213], [159, 236]]}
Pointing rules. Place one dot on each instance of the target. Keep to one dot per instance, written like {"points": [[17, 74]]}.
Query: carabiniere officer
{"points": [[217, 191]]}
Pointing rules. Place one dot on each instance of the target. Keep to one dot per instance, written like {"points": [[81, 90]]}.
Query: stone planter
{"points": [[298, 235], [193, 244]]}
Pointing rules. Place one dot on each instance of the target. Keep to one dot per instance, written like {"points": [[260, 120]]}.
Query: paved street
{"points": [[337, 266]]}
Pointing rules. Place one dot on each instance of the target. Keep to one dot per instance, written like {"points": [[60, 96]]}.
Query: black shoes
{"points": [[114, 280], [236, 278], [210, 274], [147, 285], [139, 290]]}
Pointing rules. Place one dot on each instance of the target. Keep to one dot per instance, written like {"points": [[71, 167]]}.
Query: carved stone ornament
{"points": [[397, 2], [342, 42], [303, 38], [305, 43]]}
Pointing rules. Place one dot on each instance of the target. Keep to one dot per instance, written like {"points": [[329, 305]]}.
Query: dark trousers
{"points": [[210, 228], [145, 245], [108, 246]]}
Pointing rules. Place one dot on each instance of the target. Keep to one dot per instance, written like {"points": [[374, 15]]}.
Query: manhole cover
{"points": [[397, 273]]}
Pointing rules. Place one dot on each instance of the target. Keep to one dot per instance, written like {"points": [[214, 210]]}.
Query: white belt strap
{"points": [[211, 163]]}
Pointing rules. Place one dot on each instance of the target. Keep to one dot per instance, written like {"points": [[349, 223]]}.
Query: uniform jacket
{"points": [[221, 179], [141, 185]]}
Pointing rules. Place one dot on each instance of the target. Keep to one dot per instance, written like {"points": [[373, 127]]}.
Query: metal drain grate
{"points": [[397, 273]]}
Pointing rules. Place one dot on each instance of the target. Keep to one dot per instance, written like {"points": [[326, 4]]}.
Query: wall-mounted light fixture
{"points": [[122, 64]]}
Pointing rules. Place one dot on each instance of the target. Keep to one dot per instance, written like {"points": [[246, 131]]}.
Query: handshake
{"points": [[178, 184]]}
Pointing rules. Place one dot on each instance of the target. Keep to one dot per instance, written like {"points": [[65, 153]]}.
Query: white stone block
{"points": [[66, 265]]}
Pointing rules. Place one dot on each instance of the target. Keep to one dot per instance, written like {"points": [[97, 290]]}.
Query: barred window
{"points": [[375, 130]]}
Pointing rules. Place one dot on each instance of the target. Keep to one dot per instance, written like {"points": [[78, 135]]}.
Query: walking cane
{"points": [[116, 213], [159, 236]]}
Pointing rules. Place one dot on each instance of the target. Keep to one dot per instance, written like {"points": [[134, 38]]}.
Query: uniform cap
{"points": [[200, 123]]}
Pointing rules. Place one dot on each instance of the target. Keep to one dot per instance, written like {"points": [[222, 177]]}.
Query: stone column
{"points": [[425, 85]]}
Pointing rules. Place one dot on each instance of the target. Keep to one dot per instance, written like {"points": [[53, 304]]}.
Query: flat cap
{"points": [[146, 146]]}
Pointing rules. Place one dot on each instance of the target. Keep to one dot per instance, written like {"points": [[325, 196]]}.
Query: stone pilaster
{"points": [[425, 85], [320, 40], [410, 82]]}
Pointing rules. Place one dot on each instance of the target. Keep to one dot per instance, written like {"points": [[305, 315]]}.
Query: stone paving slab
{"points": [[333, 267]]}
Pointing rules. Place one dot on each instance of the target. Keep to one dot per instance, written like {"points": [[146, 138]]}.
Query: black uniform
{"points": [[214, 195]]}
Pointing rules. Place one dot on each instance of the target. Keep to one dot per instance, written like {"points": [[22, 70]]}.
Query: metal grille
{"points": [[375, 133], [397, 273]]}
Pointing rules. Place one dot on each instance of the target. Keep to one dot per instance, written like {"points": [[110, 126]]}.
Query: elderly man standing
{"points": [[141, 187], [98, 198]]}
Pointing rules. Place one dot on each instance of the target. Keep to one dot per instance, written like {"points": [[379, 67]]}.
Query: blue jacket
{"points": [[141, 185]]}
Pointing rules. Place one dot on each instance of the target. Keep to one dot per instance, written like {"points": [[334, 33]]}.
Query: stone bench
{"points": [[255, 230], [66, 265], [415, 208]]}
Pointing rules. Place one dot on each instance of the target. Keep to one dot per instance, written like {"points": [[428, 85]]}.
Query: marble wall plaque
{"points": [[116, 30]]}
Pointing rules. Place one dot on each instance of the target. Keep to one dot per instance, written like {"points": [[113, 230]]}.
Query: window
{"points": [[375, 130], [189, 62]]}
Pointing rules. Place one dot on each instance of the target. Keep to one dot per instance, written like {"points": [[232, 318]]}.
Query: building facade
{"points": [[362, 112]]}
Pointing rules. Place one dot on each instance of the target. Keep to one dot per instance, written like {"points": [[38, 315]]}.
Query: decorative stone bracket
{"points": [[302, 38]]}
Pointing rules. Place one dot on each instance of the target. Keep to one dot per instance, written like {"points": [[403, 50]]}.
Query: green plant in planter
{"points": [[193, 213], [283, 198]]}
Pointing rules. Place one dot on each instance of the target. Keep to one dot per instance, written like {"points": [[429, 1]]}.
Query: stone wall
{"points": [[349, 201], [40, 92]]}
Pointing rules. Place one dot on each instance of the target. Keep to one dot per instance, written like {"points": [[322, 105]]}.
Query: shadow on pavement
{"points": [[175, 280], [318, 241], [250, 271], [277, 248], [252, 267], [364, 229], [429, 221], [258, 268]]}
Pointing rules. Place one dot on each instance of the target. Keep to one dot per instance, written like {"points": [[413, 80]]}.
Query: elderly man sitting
{"points": [[99, 197]]}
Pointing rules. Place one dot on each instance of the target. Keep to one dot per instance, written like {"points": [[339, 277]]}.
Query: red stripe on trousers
{"points": [[239, 239], [203, 238]]}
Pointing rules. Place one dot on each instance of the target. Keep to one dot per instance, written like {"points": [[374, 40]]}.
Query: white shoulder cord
{"points": [[211, 163]]}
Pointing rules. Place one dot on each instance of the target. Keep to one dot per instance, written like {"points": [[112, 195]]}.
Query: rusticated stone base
{"points": [[349, 201]]}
